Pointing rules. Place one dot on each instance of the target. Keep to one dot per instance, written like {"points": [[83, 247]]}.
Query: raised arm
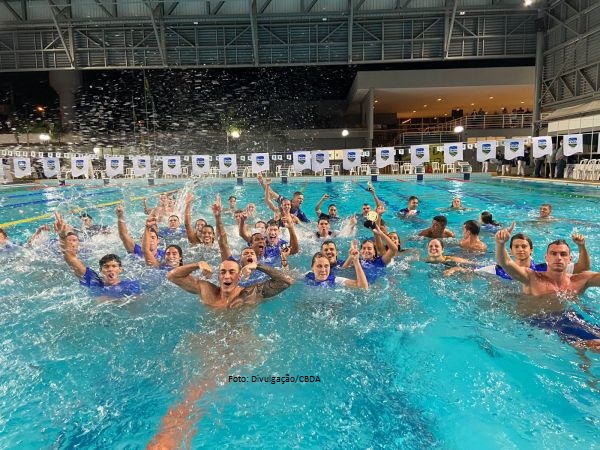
{"points": [[182, 277], [318, 205], [70, 257], [584, 262], [279, 282], [371, 189], [147, 210], [268, 200], [217, 209], [391, 251], [503, 259], [149, 257], [128, 242], [187, 220], [34, 238], [289, 224], [361, 279], [243, 229]]}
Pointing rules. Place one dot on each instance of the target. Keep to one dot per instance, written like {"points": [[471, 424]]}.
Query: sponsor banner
{"points": [[572, 143], [453, 152], [486, 150], [51, 167], [513, 148], [141, 166], [541, 146], [301, 161], [227, 163], [200, 165], [419, 154], [114, 166], [320, 160], [22, 167], [172, 165], [351, 158], [80, 165], [384, 156], [260, 162]]}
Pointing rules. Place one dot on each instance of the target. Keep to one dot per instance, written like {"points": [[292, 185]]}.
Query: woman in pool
{"points": [[435, 254], [488, 223], [173, 255], [321, 274]]}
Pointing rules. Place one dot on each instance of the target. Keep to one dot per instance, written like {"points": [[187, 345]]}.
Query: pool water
{"points": [[419, 361]]}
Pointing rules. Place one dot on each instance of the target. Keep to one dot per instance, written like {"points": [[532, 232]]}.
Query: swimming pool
{"points": [[420, 361]]}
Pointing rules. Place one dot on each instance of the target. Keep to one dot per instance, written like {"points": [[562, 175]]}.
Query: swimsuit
{"points": [[569, 325], [125, 287], [331, 280]]}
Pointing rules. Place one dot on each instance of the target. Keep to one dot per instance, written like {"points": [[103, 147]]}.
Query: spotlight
{"points": [[459, 129]]}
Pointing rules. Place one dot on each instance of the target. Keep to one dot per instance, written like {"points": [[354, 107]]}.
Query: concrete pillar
{"points": [[370, 102], [65, 83]]}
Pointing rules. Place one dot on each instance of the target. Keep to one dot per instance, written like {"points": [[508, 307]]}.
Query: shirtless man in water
{"points": [[548, 293], [229, 294]]}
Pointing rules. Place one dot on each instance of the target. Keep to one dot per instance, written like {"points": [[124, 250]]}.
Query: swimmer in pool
{"points": [[285, 205], [228, 293], [108, 282], [130, 244], [411, 209], [470, 240], [550, 292], [173, 253], [437, 229], [329, 249], [331, 210], [322, 275], [435, 254]]}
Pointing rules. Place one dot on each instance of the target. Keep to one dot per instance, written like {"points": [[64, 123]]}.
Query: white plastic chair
{"points": [[407, 168], [335, 169], [395, 168], [579, 169], [435, 167]]}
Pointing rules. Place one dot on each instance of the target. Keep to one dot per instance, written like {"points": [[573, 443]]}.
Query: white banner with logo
{"points": [[114, 166], [227, 163], [301, 161], [384, 156], [260, 162], [542, 146], [513, 148], [141, 166], [453, 152], [486, 150], [80, 165], [320, 160], [572, 143], [351, 158], [200, 165], [419, 154], [171, 165], [51, 167], [22, 167]]}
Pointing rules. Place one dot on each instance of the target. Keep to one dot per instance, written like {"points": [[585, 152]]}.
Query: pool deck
{"points": [[558, 181]]}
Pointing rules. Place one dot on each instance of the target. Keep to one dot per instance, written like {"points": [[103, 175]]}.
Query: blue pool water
{"points": [[418, 362]]}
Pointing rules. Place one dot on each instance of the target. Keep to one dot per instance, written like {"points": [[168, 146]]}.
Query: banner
{"points": [[114, 166], [572, 143], [384, 156], [419, 154], [22, 167], [227, 163], [453, 152], [301, 161], [486, 150], [80, 165], [513, 148], [320, 160], [171, 165], [351, 159], [542, 146], [200, 165], [141, 166], [51, 167], [260, 162]]}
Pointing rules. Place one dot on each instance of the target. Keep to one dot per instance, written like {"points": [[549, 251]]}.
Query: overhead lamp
{"points": [[459, 129], [345, 132]]}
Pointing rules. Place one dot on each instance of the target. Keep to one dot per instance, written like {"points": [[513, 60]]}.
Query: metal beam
{"points": [[160, 41], [172, 8], [254, 26], [12, 11], [62, 39], [311, 6], [103, 8], [264, 6], [24, 9], [218, 8], [350, 28], [359, 5], [451, 27], [427, 28]]}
